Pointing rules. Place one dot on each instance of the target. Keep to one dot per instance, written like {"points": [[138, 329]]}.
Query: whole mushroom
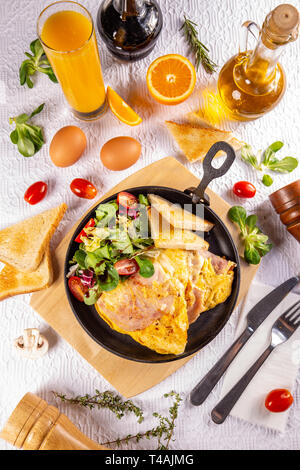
{"points": [[32, 344]]}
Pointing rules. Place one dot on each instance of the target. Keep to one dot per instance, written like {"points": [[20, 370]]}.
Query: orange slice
{"points": [[171, 79], [121, 109]]}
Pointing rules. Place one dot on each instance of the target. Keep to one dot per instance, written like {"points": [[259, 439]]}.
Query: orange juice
{"points": [[69, 41]]}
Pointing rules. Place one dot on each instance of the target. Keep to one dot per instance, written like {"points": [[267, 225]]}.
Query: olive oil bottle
{"points": [[252, 83]]}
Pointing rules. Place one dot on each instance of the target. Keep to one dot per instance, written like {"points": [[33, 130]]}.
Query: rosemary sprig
{"points": [[163, 431], [105, 399], [199, 49]]}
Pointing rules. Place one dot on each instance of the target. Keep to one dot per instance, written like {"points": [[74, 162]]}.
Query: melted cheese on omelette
{"points": [[156, 312]]}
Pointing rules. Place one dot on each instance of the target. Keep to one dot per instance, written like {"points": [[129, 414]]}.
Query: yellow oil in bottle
{"points": [[253, 82], [248, 92]]}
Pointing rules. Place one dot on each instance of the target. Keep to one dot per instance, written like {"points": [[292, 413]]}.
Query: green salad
{"points": [[112, 246]]}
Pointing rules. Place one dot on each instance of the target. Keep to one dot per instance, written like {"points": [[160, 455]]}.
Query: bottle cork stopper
{"points": [[284, 22]]}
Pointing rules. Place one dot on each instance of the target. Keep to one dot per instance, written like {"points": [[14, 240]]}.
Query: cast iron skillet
{"points": [[209, 323]]}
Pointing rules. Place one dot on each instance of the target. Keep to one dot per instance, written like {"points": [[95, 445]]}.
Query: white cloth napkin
{"points": [[279, 371]]}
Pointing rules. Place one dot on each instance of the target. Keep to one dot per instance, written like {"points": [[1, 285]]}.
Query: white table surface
{"points": [[63, 369]]}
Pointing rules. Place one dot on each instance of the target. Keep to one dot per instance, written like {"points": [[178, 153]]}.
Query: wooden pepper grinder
{"points": [[286, 202], [35, 425]]}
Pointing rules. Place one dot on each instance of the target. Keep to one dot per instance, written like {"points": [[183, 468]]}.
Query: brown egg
{"points": [[120, 153], [67, 146]]}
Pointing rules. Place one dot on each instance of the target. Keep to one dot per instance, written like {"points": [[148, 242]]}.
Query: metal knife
{"points": [[254, 319]]}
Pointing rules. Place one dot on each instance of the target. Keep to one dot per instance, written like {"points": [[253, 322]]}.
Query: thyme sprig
{"points": [[198, 48], [163, 432], [107, 400]]}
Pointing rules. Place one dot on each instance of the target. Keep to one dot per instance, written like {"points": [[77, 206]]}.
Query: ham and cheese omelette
{"points": [[157, 311]]}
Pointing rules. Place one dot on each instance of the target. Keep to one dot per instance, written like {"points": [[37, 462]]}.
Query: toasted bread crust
{"points": [[178, 217], [166, 236], [195, 141], [22, 245], [14, 282]]}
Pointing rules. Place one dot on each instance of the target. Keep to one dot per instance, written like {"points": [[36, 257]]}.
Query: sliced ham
{"points": [[196, 307], [159, 276], [130, 309], [219, 264], [139, 302]]}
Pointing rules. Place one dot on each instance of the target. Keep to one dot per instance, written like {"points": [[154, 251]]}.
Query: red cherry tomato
{"points": [[278, 400], [36, 192], [244, 189], [126, 267], [127, 200], [83, 188], [91, 223], [77, 288]]}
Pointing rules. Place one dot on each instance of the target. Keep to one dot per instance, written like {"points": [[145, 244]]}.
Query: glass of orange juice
{"points": [[66, 31]]}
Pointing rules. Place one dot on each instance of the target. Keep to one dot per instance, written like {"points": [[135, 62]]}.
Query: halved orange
{"points": [[171, 79], [121, 109]]}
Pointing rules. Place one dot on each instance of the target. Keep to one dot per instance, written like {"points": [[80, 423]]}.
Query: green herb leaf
{"points": [[251, 254], [142, 243], [251, 222], [249, 157], [37, 110], [100, 268], [79, 258], [25, 145], [145, 265], [255, 241], [91, 297], [267, 180], [28, 138], [238, 215], [120, 241], [102, 252], [109, 281], [91, 260], [143, 200], [37, 62], [105, 213], [14, 136], [286, 165], [275, 146]]}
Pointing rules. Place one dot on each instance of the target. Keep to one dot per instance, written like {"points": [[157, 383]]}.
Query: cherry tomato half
{"points": [[83, 188], [278, 400], [91, 223], [127, 200], [77, 288], [36, 192], [126, 267], [244, 189]]}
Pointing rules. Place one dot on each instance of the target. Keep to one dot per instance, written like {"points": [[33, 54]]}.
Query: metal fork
{"points": [[282, 330]]}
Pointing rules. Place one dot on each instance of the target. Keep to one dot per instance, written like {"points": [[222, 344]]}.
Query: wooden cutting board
{"points": [[128, 377]]}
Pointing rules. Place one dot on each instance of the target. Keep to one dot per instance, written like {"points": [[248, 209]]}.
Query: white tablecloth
{"points": [[63, 369]]}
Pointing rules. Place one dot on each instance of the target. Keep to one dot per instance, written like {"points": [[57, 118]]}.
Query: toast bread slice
{"points": [[177, 216], [14, 282], [167, 236], [199, 121], [195, 141], [22, 245]]}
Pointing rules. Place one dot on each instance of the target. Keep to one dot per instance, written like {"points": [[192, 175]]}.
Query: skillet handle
{"points": [[210, 173]]}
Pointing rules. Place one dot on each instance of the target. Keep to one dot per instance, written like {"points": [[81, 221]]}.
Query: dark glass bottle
{"points": [[129, 28]]}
